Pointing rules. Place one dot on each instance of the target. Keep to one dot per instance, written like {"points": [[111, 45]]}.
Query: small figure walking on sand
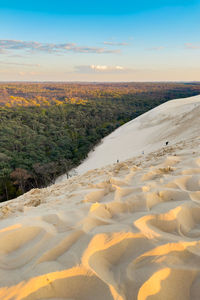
{"points": [[166, 143], [117, 160]]}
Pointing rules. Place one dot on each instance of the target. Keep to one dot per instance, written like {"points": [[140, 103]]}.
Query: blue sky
{"points": [[100, 40]]}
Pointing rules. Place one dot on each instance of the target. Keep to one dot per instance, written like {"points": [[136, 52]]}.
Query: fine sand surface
{"points": [[171, 121], [127, 231]]}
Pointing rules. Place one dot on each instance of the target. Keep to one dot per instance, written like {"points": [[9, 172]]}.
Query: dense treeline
{"points": [[38, 143], [40, 94]]}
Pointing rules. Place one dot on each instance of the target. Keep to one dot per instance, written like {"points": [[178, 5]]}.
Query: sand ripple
{"points": [[124, 232]]}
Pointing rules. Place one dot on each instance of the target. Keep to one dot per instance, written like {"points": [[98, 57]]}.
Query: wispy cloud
{"points": [[50, 47], [2, 51], [19, 64], [24, 74], [115, 44], [100, 69], [192, 46], [159, 48]]}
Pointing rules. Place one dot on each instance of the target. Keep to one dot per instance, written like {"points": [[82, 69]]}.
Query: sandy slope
{"points": [[171, 121], [127, 231]]}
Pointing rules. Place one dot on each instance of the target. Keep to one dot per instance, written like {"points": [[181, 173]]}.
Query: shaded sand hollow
{"points": [[127, 231]]}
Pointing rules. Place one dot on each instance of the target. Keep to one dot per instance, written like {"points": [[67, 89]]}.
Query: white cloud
{"points": [[102, 68], [99, 68]]}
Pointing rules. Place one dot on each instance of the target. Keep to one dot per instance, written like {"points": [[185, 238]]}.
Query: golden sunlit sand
{"points": [[127, 231]]}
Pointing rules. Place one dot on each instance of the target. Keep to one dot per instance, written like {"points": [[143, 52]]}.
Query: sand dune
{"points": [[127, 231], [171, 121]]}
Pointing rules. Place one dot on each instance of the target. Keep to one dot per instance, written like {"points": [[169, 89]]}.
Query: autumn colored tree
{"points": [[20, 177]]}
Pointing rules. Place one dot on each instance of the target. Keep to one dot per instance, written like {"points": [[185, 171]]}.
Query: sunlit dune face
{"points": [[12, 227], [174, 249], [173, 283], [153, 285], [75, 283]]}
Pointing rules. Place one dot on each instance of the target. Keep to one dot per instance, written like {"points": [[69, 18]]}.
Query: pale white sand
{"points": [[171, 121], [126, 231]]}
